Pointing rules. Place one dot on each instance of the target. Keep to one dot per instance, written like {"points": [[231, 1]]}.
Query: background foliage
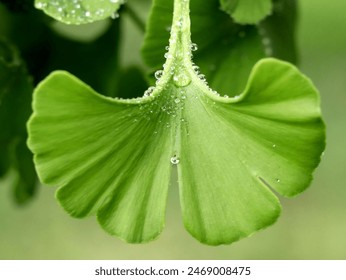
{"points": [[312, 226]]}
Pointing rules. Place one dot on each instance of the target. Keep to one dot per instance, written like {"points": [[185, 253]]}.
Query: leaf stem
{"points": [[179, 53], [135, 18]]}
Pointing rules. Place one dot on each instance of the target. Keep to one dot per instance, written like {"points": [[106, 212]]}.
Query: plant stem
{"points": [[136, 19]]}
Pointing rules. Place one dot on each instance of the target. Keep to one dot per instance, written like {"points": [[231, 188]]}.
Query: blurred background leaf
{"points": [[15, 108], [247, 11]]}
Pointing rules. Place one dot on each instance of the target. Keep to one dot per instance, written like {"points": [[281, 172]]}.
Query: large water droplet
{"points": [[181, 79], [175, 160]]}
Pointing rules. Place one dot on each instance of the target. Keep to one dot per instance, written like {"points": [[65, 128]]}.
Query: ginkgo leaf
{"points": [[79, 11], [247, 11], [113, 157]]}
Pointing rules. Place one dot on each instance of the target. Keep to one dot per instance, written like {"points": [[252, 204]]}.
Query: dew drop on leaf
{"points": [[202, 77], [115, 15], [158, 74], [175, 160], [194, 47], [149, 91], [181, 79]]}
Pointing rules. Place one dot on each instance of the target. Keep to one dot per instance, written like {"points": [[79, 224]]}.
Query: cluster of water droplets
{"points": [[203, 79], [79, 11]]}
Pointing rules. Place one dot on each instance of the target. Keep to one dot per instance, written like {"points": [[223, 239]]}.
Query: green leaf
{"points": [[270, 138], [79, 11], [113, 157], [15, 99], [113, 176], [247, 11]]}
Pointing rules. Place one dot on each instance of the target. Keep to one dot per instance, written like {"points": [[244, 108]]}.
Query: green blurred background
{"points": [[312, 225]]}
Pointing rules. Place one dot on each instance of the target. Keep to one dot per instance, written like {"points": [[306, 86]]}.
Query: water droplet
{"points": [[168, 55], [115, 15], [274, 146], [278, 180], [181, 79], [194, 47], [40, 5], [180, 22], [175, 160], [149, 91], [195, 68], [87, 14], [177, 100], [202, 77], [158, 74]]}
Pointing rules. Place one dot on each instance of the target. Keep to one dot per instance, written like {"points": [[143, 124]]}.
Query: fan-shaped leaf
{"points": [[113, 157]]}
